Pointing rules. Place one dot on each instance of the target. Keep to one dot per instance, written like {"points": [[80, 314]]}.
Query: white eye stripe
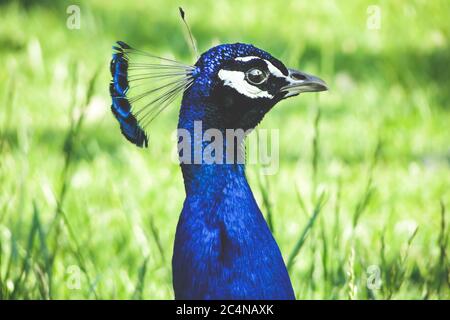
{"points": [[236, 80], [247, 58], [272, 69]]}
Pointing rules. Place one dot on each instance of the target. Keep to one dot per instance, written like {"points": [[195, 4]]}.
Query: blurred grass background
{"points": [[358, 205]]}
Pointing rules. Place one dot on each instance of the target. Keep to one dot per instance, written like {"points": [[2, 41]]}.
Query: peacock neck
{"points": [[212, 154], [223, 246], [214, 172]]}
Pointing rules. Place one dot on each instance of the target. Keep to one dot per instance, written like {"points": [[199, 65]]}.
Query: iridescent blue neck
{"points": [[201, 171], [223, 247]]}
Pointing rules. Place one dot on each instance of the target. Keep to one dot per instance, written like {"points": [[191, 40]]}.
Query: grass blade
{"points": [[137, 295], [303, 236], [266, 201]]}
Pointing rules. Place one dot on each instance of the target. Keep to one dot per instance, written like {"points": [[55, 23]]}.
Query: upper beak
{"points": [[302, 82]]}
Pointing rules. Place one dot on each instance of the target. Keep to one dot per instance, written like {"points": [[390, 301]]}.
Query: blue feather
{"points": [[223, 246], [121, 107], [142, 86]]}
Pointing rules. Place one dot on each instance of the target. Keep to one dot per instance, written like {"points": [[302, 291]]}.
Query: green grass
{"points": [[364, 172]]}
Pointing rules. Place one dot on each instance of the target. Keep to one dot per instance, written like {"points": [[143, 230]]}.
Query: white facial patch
{"points": [[236, 80], [272, 69], [247, 58]]}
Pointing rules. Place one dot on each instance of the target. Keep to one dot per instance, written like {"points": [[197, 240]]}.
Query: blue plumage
{"points": [[223, 247], [121, 107]]}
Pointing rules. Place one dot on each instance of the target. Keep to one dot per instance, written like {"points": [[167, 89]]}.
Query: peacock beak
{"points": [[302, 82]]}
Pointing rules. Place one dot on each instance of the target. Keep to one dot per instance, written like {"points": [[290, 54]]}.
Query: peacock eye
{"points": [[256, 76]]}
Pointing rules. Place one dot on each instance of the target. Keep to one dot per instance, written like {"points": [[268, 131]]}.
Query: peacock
{"points": [[223, 247]]}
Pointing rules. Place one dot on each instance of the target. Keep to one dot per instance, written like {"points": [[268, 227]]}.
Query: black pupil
{"points": [[256, 76]]}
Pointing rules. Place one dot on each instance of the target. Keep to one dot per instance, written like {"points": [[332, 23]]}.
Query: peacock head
{"points": [[240, 83], [230, 86]]}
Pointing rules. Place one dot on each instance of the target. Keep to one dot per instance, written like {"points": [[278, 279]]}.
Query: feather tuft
{"points": [[142, 86]]}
